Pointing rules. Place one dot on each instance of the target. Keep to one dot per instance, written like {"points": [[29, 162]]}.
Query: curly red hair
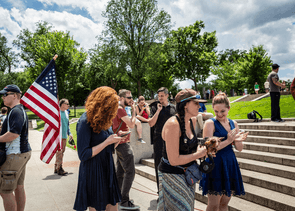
{"points": [[102, 107]]}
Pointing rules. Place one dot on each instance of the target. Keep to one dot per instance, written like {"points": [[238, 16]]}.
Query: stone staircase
{"points": [[267, 165]]}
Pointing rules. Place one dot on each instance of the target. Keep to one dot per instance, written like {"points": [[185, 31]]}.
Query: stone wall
{"points": [[140, 150]]}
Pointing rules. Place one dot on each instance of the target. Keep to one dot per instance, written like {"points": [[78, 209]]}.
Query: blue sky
{"points": [[239, 24]]}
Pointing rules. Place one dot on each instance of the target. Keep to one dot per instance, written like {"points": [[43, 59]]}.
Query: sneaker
{"points": [[141, 141], [281, 120], [62, 172], [128, 205], [276, 120]]}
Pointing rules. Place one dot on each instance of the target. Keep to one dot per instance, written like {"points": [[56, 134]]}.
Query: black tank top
{"points": [[186, 146]]}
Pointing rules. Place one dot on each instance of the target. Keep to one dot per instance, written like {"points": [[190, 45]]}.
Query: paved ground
{"points": [[47, 191]]}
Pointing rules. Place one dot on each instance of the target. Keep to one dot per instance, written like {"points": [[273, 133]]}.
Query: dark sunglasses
{"points": [[6, 94], [129, 98], [66, 103]]}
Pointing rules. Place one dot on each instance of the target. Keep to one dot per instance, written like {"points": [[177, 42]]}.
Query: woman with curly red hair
{"points": [[97, 184]]}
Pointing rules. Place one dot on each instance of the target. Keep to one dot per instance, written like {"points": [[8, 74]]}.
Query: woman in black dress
{"points": [[97, 184]]}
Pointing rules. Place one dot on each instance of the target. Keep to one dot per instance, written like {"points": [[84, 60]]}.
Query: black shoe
{"points": [[128, 205], [281, 120], [62, 172], [276, 120]]}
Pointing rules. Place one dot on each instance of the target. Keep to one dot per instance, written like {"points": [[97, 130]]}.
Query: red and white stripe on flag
{"points": [[41, 98]]}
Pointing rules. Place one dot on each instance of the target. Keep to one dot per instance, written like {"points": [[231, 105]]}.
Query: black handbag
{"points": [[252, 115]]}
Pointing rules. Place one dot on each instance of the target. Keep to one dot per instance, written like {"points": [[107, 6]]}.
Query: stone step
{"points": [[271, 140], [267, 168], [235, 204], [270, 182], [281, 159], [273, 148], [274, 133], [281, 185], [266, 120], [265, 126]]}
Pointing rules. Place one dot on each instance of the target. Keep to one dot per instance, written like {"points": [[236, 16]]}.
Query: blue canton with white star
{"points": [[47, 79]]}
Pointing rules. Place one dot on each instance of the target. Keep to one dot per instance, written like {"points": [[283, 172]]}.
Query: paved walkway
{"points": [[47, 191]]}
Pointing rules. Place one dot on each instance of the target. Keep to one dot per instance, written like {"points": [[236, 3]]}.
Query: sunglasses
{"points": [[6, 94], [129, 98], [195, 97], [66, 103]]}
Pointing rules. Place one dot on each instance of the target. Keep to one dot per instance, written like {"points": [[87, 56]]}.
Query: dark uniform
{"points": [[156, 132]]}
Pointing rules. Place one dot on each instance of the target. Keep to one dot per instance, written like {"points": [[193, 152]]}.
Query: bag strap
{"points": [[119, 127], [258, 114], [8, 124]]}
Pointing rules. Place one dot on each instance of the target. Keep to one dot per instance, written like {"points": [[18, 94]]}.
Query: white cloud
{"points": [[83, 29], [94, 7], [17, 3]]}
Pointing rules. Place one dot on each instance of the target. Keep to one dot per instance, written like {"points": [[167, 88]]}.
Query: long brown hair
{"points": [[102, 107]]}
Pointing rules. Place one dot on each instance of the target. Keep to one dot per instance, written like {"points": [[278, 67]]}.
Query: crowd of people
{"points": [[177, 132]]}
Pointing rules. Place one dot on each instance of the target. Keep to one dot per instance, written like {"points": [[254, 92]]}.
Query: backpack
{"points": [[252, 115]]}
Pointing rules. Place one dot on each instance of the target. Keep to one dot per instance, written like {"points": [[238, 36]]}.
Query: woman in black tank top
{"points": [[180, 149]]}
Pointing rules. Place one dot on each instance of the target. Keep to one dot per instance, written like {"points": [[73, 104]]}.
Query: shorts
{"points": [[12, 172], [256, 89]]}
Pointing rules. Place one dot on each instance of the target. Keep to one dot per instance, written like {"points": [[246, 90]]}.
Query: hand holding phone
{"points": [[124, 134]]}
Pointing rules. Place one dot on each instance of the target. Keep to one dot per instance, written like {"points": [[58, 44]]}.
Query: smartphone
{"points": [[125, 134]]}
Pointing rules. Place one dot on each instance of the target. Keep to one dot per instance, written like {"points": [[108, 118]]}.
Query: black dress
{"points": [[97, 183]]}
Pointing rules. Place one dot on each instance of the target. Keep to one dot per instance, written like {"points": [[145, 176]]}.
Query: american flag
{"points": [[41, 98]]}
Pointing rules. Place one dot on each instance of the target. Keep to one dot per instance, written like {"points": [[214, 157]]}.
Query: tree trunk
{"points": [[195, 82], [139, 88]]}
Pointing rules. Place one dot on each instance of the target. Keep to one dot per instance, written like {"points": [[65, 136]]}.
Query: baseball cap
{"points": [[10, 88], [188, 94]]}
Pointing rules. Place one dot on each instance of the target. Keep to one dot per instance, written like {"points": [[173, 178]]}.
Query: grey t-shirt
{"points": [[272, 86]]}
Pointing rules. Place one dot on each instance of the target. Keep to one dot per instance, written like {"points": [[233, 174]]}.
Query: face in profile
{"points": [[221, 111]]}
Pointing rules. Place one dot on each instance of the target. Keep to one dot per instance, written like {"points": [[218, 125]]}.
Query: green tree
{"points": [[191, 54], [136, 25], [255, 67], [227, 71], [8, 58], [38, 48]]}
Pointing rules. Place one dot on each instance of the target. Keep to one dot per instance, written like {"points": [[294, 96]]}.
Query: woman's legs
{"points": [[109, 207], [218, 203], [112, 208], [213, 202], [223, 206]]}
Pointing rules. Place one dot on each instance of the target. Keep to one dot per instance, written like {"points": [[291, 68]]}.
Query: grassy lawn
{"points": [[73, 131], [40, 122], [234, 98], [239, 110]]}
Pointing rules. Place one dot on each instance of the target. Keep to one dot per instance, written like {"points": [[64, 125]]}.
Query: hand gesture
{"points": [[202, 151], [232, 135], [133, 106], [241, 136], [159, 106]]}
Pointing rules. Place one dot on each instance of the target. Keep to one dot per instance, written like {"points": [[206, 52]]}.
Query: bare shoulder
{"points": [[171, 122], [209, 122]]}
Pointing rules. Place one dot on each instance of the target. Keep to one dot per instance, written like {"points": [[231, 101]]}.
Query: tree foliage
{"points": [[237, 69], [136, 25], [8, 58], [39, 47], [190, 54]]}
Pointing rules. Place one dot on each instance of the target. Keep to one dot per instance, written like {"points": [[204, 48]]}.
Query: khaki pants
{"points": [[12, 172], [60, 154], [201, 119]]}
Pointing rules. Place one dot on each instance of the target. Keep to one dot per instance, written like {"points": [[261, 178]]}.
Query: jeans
{"points": [[275, 105], [125, 169]]}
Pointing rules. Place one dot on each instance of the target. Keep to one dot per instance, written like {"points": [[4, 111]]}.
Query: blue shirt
{"points": [[64, 124], [202, 107]]}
